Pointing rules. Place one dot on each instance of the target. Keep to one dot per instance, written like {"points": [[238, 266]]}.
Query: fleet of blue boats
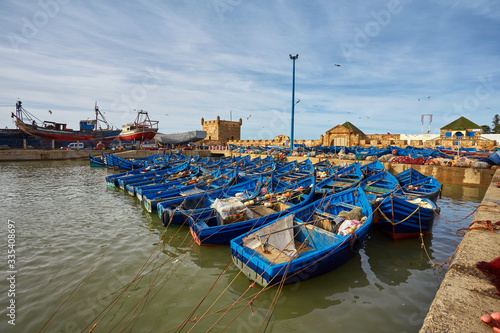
{"points": [[284, 221]]}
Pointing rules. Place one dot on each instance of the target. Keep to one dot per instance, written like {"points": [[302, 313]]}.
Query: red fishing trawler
{"points": [[90, 130], [142, 129]]}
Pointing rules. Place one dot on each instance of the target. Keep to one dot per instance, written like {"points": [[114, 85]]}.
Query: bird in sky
{"points": [[337, 65], [50, 111], [249, 117]]}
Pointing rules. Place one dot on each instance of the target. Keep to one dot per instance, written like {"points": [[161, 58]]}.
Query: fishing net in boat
{"points": [[192, 191], [424, 203], [231, 210], [279, 235]]}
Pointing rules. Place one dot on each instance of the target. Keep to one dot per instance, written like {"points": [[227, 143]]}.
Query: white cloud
{"points": [[186, 60]]}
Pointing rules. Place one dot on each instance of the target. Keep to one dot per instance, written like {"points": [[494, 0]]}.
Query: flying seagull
{"points": [[50, 112]]}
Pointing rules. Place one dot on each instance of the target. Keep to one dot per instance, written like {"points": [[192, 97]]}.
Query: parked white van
{"points": [[76, 145]]}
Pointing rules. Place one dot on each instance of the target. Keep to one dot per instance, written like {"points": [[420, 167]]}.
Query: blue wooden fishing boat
{"points": [[118, 163], [427, 187], [167, 163], [179, 177], [306, 243], [257, 170], [340, 179], [96, 161], [219, 229], [404, 217], [409, 176], [379, 185], [178, 209], [301, 170], [112, 180], [154, 174], [151, 190], [185, 191], [203, 209], [372, 168], [322, 166]]}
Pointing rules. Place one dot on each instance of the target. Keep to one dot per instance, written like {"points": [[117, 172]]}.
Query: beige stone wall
{"points": [[222, 131], [219, 132], [478, 144], [341, 134], [212, 130], [274, 142], [444, 131]]}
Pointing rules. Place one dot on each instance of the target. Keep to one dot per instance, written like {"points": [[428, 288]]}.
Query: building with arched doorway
{"points": [[461, 132], [343, 135]]}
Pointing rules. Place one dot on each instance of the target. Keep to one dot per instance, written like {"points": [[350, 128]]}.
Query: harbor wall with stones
{"points": [[444, 174], [466, 293], [10, 155]]}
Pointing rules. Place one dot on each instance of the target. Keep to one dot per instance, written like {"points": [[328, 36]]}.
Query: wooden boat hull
{"points": [[320, 252], [180, 209], [210, 232], [138, 135], [96, 162], [401, 219], [67, 135], [427, 187]]}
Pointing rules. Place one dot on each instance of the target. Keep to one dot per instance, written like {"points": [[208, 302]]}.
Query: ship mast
{"points": [[102, 119], [19, 110], [96, 109]]}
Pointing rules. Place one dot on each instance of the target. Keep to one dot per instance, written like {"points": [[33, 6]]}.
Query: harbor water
{"points": [[86, 254]]}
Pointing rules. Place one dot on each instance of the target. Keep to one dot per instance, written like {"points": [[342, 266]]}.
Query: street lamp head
{"points": [[294, 57]]}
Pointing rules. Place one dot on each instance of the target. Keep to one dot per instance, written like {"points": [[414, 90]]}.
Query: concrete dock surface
{"points": [[466, 293]]}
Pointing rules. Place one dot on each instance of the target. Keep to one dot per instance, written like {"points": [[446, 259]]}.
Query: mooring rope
{"points": [[403, 220], [484, 224], [479, 206]]}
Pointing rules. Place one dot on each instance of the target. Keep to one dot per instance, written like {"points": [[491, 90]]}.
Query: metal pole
{"points": [[293, 98]]}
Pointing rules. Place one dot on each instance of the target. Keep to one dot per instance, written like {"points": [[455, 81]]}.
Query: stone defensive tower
{"points": [[219, 132]]}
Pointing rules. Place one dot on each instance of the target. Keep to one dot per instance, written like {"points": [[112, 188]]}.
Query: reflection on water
{"points": [[462, 192], [392, 262], [98, 246]]}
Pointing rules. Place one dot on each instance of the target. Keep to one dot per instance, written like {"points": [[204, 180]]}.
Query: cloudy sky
{"points": [[182, 60]]}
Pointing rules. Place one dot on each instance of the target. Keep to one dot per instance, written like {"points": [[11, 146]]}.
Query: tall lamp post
{"points": [[293, 97]]}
